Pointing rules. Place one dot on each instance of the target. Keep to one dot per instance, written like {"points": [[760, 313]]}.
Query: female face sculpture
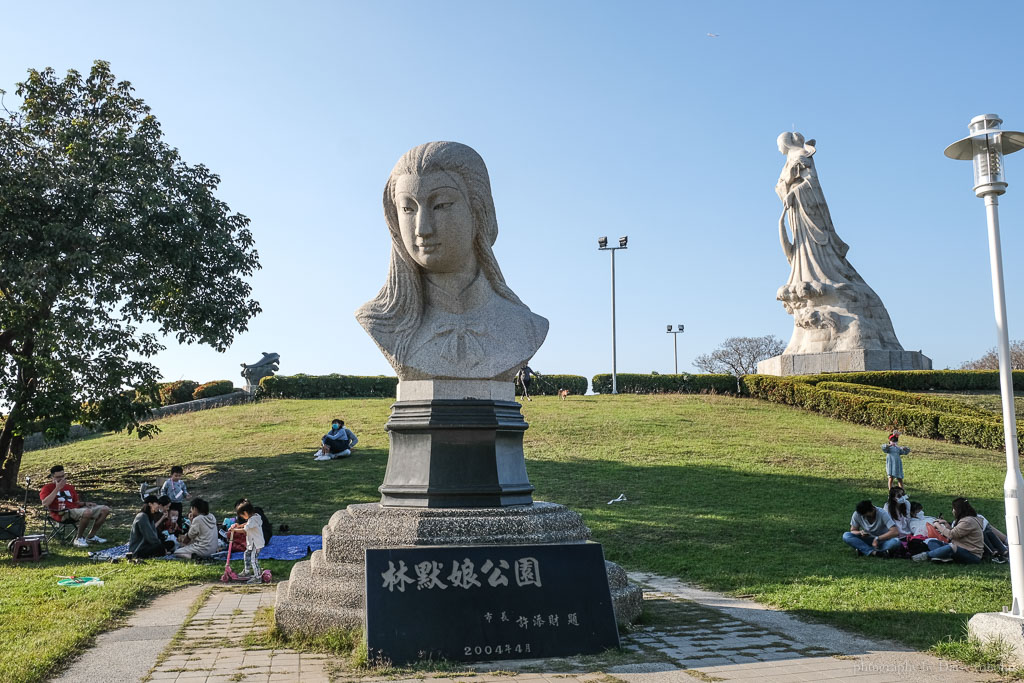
{"points": [[435, 220], [445, 310]]}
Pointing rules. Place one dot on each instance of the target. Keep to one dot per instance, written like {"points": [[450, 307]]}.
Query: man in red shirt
{"points": [[61, 500]]}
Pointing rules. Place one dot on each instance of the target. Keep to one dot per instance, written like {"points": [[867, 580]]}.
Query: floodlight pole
{"points": [[675, 344], [603, 246], [985, 146]]}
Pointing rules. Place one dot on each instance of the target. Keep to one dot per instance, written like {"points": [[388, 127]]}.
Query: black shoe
{"points": [[999, 559]]}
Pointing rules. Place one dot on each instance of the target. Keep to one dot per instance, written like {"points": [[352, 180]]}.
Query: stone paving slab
{"points": [[145, 635], [695, 635]]}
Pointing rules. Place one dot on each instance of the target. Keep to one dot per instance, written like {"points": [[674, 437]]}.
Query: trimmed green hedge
{"points": [[940, 403], [922, 380], [629, 383], [548, 385], [176, 392], [216, 388], [925, 416], [327, 386]]}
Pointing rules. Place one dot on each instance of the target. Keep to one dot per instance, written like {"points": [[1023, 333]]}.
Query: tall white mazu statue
{"points": [[839, 323]]}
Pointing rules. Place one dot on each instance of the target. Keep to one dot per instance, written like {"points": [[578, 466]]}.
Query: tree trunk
{"points": [[10, 461], [10, 456]]}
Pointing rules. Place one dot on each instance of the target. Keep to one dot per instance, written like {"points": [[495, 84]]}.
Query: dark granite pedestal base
{"points": [[328, 590]]}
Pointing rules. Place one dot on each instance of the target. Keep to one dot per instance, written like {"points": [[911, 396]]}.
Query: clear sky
{"points": [[594, 118]]}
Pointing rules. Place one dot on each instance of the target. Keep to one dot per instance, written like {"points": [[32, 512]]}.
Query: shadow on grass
{"points": [[754, 529]]}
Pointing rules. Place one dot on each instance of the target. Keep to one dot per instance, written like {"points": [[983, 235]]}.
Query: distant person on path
{"points": [[61, 500], [337, 443], [524, 377], [872, 531], [253, 528], [143, 540], [174, 488], [967, 538], [893, 461], [201, 539]]}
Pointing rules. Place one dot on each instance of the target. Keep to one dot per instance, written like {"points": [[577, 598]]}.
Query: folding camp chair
{"points": [[64, 531], [151, 489]]}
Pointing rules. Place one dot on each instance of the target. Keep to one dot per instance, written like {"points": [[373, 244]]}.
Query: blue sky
{"points": [[594, 118]]}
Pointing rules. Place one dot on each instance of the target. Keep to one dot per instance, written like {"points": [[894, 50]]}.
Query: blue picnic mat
{"points": [[280, 548]]}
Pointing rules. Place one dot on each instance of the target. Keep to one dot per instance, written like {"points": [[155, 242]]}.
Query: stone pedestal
{"points": [[844, 361], [328, 590], [456, 477], [455, 454], [996, 626]]}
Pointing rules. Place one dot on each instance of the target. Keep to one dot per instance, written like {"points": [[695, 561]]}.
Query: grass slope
{"points": [[737, 495]]}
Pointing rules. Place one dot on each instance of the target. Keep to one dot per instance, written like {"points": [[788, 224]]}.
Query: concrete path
{"points": [[737, 639], [212, 648], [696, 635], [127, 654]]}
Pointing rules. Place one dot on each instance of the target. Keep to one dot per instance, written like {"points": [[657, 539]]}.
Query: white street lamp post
{"points": [[602, 245], [675, 343], [986, 145]]}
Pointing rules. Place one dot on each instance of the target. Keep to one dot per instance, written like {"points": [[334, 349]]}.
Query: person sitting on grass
{"points": [[966, 538], [898, 507], [175, 488], [61, 501], [997, 546], [143, 540], [872, 531], [201, 539], [337, 443]]}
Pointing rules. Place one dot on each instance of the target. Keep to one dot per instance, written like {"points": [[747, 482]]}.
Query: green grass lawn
{"points": [[736, 495]]}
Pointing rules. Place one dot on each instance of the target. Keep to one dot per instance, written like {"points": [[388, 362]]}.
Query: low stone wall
{"points": [[36, 441]]}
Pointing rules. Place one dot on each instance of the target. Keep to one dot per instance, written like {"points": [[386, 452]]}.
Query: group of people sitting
{"points": [[901, 529], [160, 527]]}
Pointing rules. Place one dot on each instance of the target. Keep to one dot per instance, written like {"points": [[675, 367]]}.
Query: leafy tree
{"points": [[990, 361], [103, 228], [740, 355]]}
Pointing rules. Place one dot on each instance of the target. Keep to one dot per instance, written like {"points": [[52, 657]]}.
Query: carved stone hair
{"points": [[398, 307], [791, 140]]}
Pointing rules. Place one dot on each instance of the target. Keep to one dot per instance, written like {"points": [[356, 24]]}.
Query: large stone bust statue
{"points": [[445, 311]]}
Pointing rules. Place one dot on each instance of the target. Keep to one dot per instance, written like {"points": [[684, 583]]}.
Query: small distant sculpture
{"points": [[833, 308], [265, 367], [445, 311]]}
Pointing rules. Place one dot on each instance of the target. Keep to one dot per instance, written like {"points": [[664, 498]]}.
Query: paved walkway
{"points": [[739, 639], [694, 635], [143, 637], [212, 647]]}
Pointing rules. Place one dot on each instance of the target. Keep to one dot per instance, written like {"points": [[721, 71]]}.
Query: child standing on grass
{"points": [[893, 461], [174, 488], [253, 528]]}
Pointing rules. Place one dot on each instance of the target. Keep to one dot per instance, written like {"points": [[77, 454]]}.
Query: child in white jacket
{"points": [[253, 527]]}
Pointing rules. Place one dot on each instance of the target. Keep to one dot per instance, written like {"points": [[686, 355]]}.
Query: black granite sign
{"points": [[479, 603]]}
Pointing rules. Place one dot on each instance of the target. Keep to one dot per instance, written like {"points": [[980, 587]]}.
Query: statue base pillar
{"points": [[328, 590], [456, 444], [859, 360]]}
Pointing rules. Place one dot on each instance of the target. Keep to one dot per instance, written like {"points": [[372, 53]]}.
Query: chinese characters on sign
{"points": [[463, 574], [473, 603]]}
